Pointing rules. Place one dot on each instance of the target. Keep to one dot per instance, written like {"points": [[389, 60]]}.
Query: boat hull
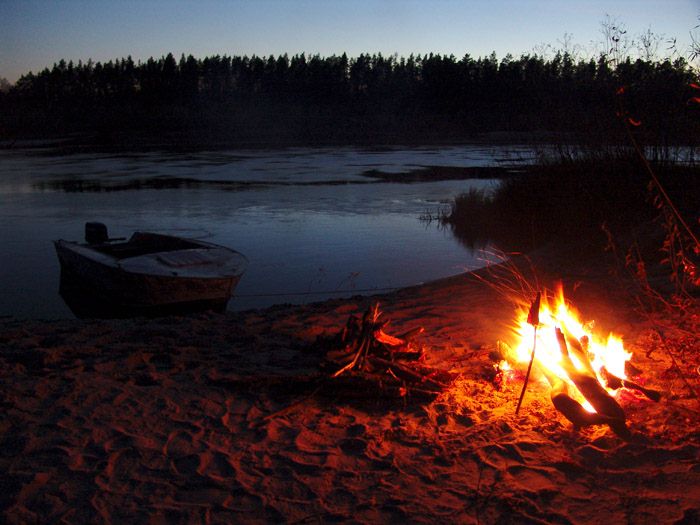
{"points": [[94, 289], [85, 303]]}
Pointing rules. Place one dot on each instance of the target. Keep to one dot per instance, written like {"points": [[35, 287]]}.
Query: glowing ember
{"points": [[588, 352]]}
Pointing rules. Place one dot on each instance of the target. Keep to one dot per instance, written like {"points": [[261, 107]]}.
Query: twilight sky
{"points": [[36, 33]]}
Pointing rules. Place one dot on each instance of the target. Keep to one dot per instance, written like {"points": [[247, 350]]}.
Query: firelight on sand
{"points": [[588, 349]]}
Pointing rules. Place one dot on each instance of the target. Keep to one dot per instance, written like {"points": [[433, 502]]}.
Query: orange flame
{"points": [[591, 351]]}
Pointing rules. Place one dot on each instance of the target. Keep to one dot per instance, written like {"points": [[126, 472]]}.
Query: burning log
{"points": [[572, 409], [562, 400], [392, 361], [615, 382], [580, 350], [593, 391]]}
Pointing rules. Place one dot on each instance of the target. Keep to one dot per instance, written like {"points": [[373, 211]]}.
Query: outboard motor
{"points": [[96, 233]]}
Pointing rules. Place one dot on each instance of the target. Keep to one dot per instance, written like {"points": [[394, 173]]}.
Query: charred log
{"points": [[575, 411], [572, 409]]}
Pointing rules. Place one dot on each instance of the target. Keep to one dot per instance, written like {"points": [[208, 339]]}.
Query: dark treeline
{"points": [[371, 98]]}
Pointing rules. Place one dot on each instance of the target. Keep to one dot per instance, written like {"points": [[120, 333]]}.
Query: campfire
{"points": [[585, 371]]}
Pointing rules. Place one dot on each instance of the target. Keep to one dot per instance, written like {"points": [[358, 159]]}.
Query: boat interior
{"points": [[144, 244]]}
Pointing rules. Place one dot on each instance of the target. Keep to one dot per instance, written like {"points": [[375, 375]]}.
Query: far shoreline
{"points": [[182, 142]]}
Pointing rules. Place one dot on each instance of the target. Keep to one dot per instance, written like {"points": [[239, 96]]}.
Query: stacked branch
{"points": [[393, 363]]}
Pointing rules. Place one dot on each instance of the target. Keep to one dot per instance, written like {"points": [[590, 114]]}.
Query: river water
{"points": [[310, 223]]}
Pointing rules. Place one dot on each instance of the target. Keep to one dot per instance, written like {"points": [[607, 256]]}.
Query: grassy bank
{"points": [[578, 201]]}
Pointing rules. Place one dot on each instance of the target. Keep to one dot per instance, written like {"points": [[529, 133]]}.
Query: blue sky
{"points": [[36, 33]]}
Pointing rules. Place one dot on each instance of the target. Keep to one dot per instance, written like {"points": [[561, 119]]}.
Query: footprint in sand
{"points": [[499, 454], [281, 431], [180, 444], [117, 475], [310, 442], [187, 466], [536, 479], [356, 430], [216, 466], [353, 446]]}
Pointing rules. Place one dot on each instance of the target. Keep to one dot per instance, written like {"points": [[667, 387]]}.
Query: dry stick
{"points": [[680, 219], [362, 346], [410, 374], [352, 363], [533, 318]]}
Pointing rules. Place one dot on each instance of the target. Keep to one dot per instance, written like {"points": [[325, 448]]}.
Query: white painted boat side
{"points": [[208, 262]]}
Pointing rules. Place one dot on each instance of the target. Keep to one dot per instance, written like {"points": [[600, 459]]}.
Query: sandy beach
{"points": [[220, 419]]}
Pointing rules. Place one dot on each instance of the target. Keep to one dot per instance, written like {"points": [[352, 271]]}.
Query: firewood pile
{"points": [[364, 352]]}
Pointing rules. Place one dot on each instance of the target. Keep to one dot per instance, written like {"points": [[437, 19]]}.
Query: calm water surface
{"points": [[311, 225]]}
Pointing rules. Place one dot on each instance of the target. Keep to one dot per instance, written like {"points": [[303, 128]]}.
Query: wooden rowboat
{"points": [[149, 274]]}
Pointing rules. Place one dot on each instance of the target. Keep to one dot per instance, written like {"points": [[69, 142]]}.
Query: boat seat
{"points": [[184, 258]]}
